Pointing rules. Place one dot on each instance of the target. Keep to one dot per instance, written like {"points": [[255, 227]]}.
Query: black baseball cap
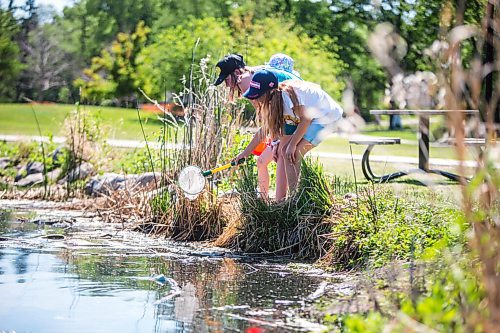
{"points": [[262, 81], [227, 65]]}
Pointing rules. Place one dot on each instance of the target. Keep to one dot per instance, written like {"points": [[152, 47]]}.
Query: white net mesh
{"points": [[191, 180]]}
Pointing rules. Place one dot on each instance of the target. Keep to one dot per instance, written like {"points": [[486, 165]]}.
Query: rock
{"points": [[30, 180], [82, 171], [147, 178], [54, 236], [4, 163], [34, 167], [29, 169], [104, 184], [36, 178], [54, 174], [113, 182], [56, 155]]}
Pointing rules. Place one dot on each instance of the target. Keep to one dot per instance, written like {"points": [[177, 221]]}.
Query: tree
{"points": [[45, 65], [349, 24], [10, 65], [163, 64], [113, 74], [263, 38]]}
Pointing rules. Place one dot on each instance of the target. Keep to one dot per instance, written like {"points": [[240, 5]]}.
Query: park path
{"points": [[321, 154]]}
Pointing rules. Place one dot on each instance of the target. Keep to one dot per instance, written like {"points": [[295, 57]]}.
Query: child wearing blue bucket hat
{"points": [[298, 113], [237, 76]]}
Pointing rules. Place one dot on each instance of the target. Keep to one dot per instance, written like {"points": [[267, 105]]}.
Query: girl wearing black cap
{"points": [[237, 76], [298, 113]]}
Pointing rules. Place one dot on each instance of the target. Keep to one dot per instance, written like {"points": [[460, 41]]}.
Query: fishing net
{"points": [[191, 180]]}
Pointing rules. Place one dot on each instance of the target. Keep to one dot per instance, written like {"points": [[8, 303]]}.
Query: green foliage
{"points": [[349, 25], [90, 25], [166, 63], [378, 226], [450, 301], [289, 227], [342, 185], [23, 152], [135, 162], [113, 74], [373, 322], [163, 63], [316, 58], [10, 64]]}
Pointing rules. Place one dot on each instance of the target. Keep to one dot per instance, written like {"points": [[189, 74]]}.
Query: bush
{"points": [[292, 227], [378, 226]]}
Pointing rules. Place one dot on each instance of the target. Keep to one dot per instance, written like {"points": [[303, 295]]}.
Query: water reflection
{"points": [[65, 291]]}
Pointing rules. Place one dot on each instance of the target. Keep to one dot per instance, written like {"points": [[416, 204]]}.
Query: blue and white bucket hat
{"points": [[283, 62]]}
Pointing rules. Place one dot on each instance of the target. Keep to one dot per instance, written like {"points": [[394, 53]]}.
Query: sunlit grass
{"points": [[339, 144], [119, 123]]}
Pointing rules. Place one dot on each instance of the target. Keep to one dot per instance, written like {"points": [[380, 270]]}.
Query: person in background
{"points": [[237, 76], [298, 113]]}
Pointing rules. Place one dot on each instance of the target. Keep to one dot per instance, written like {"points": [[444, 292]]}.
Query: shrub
{"points": [[379, 226], [292, 227]]}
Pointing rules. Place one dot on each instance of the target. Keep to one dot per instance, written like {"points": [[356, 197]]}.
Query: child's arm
{"points": [[305, 121], [257, 138]]}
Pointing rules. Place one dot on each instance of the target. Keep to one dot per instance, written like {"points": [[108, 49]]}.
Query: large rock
{"points": [[30, 180], [29, 169], [54, 174], [110, 182], [104, 184], [82, 171], [146, 179], [37, 178], [4, 163]]}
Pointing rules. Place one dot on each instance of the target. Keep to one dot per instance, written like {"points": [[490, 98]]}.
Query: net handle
{"points": [[223, 167]]}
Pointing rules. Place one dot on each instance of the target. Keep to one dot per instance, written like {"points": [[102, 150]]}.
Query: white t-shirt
{"points": [[320, 107]]}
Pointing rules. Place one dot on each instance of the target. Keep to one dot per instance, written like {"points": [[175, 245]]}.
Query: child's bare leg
{"points": [[293, 169], [262, 162], [281, 181]]}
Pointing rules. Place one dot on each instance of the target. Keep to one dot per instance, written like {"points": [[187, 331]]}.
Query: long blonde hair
{"points": [[270, 110]]}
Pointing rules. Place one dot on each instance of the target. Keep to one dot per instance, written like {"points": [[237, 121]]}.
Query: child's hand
{"points": [[239, 157], [290, 153]]}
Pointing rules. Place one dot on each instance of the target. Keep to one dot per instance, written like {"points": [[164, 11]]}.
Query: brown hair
{"points": [[271, 109]]}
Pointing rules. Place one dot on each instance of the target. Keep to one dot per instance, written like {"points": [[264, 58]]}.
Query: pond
{"points": [[68, 274]]}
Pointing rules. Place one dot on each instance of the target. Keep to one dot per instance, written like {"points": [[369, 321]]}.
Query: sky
{"points": [[57, 4]]}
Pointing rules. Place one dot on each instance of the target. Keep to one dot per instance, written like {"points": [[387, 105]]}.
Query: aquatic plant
{"points": [[202, 137], [84, 143], [296, 226]]}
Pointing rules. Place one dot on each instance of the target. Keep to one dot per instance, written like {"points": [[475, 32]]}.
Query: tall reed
{"points": [[202, 137], [294, 227], [45, 179]]}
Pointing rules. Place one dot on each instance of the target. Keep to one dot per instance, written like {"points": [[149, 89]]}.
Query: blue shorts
{"points": [[315, 133]]}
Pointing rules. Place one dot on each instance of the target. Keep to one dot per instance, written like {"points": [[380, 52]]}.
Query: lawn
{"points": [[120, 123], [340, 144]]}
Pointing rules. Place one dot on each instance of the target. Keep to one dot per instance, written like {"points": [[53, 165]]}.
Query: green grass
{"points": [[341, 145], [120, 123]]}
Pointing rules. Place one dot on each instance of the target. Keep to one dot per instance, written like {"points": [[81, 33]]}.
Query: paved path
{"points": [[373, 158]]}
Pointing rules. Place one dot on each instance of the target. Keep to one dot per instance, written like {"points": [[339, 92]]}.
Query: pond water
{"points": [[55, 279]]}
